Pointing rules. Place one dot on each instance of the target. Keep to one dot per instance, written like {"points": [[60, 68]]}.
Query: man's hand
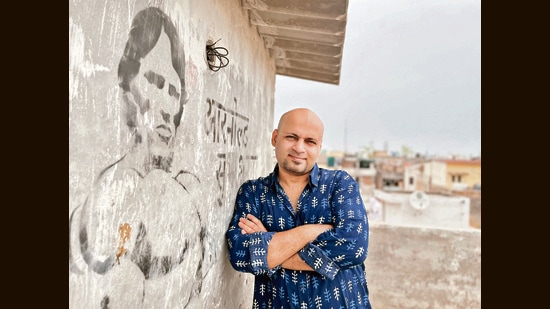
{"points": [[284, 245], [251, 224]]}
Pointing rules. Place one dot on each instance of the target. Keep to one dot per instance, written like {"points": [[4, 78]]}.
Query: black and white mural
{"points": [[155, 158]]}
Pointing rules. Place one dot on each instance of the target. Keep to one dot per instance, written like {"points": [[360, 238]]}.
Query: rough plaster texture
{"points": [[223, 139], [415, 267]]}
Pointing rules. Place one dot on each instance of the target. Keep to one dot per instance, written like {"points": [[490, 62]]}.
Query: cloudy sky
{"points": [[411, 76]]}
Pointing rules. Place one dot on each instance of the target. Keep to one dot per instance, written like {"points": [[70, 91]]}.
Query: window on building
{"points": [[365, 163], [391, 183], [456, 178], [411, 180]]}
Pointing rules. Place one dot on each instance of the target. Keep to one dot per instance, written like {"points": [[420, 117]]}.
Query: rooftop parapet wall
{"points": [[413, 267]]}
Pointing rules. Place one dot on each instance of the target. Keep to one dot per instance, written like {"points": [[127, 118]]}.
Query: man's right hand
{"points": [[251, 224]]}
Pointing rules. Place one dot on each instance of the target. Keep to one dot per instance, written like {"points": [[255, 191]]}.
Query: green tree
{"points": [[406, 151]]}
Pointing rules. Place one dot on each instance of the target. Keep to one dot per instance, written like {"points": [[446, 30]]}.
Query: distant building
{"points": [[382, 175], [463, 174], [443, 176], [390, 173], [363, 170]]}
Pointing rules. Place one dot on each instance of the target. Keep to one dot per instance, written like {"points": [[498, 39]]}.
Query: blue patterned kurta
{"points": [[337, 255]]}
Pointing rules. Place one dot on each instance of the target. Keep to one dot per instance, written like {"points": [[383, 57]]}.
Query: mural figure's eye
{"points": [[155, 79]]}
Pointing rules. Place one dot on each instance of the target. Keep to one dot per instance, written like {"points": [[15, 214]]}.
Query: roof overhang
{"points": [[305, 37]]}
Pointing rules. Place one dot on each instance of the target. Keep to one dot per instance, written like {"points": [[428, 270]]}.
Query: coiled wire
{"points": [[219, 53]]}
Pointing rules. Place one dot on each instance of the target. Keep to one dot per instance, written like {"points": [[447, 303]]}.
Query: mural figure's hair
{"points": [[144, 34]]}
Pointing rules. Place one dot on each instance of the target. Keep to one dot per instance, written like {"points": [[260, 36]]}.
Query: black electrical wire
{"points": [[219, 53]]}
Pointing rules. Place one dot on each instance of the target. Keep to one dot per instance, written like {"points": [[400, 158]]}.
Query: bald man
{"points": [[302, 230]]}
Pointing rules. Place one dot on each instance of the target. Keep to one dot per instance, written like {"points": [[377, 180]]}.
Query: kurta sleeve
{"points": [[346, 245], [247, 252]]}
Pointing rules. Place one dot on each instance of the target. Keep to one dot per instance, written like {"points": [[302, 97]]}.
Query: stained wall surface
{"points": [[151, 187]]}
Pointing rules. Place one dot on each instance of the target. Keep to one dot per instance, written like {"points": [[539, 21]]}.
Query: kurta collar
{"points": [[313, 175]]}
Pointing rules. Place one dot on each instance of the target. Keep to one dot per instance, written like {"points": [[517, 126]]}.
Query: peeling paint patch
{"points": [[124, 232]]}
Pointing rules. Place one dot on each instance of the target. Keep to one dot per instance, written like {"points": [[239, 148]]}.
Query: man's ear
{"points": [[274, 137]]}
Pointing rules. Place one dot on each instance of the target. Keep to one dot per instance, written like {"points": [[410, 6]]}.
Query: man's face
{"points": [[156, 89], [298, 143]]}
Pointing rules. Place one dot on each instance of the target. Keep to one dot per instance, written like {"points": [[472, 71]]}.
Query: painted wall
{"points": [[421, 267], [156, 155]]}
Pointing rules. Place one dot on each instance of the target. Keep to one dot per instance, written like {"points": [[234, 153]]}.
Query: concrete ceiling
{"points": [[305, 37]]}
